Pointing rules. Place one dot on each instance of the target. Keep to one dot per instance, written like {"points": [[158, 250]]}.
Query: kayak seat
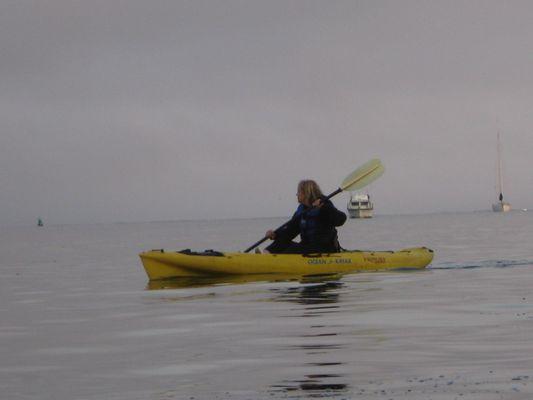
{"points": [[209, 252]]}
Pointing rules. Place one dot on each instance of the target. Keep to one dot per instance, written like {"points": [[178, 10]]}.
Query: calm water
{"points": [[78, 319]]}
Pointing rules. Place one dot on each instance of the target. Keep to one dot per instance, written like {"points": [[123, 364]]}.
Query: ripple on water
{"points": [[191, 368], [29, 369], [154, 332], [11, 331], [75, 350]]}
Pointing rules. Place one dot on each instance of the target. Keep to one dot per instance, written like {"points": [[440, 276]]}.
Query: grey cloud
{"points": [[134, 110]]}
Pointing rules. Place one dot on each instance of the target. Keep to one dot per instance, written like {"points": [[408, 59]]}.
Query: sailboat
{"points": [[501, 205]]}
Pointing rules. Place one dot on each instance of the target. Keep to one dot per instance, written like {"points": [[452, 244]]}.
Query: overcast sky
{"points": [[133, 110]]}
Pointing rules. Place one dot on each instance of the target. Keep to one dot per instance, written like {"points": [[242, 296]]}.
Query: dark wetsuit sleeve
{"points": [[289, 230], [331, 215]]}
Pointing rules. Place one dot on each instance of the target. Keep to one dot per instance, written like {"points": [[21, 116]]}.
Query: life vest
{"points": [[312, 230]]}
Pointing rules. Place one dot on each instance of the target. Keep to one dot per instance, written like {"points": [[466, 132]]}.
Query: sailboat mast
{"points": [[501, 205], [498, 149]]}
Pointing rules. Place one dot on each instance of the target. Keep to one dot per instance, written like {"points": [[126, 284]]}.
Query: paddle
{"points": [[362, 176]]}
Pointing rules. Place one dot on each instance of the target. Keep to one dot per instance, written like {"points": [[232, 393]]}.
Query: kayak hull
{"points": [[164, 265]]}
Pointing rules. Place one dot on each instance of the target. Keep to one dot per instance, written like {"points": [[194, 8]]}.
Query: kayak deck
{"points": [[163, 265]]}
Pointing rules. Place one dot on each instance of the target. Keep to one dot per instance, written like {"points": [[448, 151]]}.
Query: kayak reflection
{"points": [[203, 281], [324, 292], [319, 347]]}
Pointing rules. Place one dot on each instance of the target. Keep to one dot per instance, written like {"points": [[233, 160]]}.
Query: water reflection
{"points": [[312, 387], [314, 295], [319, 345], [201, 281]]}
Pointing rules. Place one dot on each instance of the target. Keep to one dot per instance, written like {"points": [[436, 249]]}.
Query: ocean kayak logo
{"points": [[327, 261]]}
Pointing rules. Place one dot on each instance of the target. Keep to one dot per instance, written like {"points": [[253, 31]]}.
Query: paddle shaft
{"points": [[253, 246]]}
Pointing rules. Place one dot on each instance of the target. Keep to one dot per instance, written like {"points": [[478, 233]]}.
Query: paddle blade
{"points": [[364, 175]]}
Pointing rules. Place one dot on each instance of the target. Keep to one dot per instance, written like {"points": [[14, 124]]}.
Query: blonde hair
{"points": [[310, 191]]}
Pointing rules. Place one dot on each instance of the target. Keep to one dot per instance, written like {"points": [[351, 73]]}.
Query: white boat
{"points": [[360, 206], [501, 205]]}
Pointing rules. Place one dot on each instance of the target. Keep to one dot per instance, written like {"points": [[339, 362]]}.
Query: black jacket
{"points": [[316, 226]]}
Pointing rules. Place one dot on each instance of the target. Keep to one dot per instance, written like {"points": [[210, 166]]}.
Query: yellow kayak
{"points": [[163, 265]]}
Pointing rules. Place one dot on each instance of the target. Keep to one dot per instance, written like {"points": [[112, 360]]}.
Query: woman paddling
{"points": [[315, 220]]}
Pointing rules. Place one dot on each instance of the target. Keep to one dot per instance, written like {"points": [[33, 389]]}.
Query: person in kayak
{"points": [[315, 220]]}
